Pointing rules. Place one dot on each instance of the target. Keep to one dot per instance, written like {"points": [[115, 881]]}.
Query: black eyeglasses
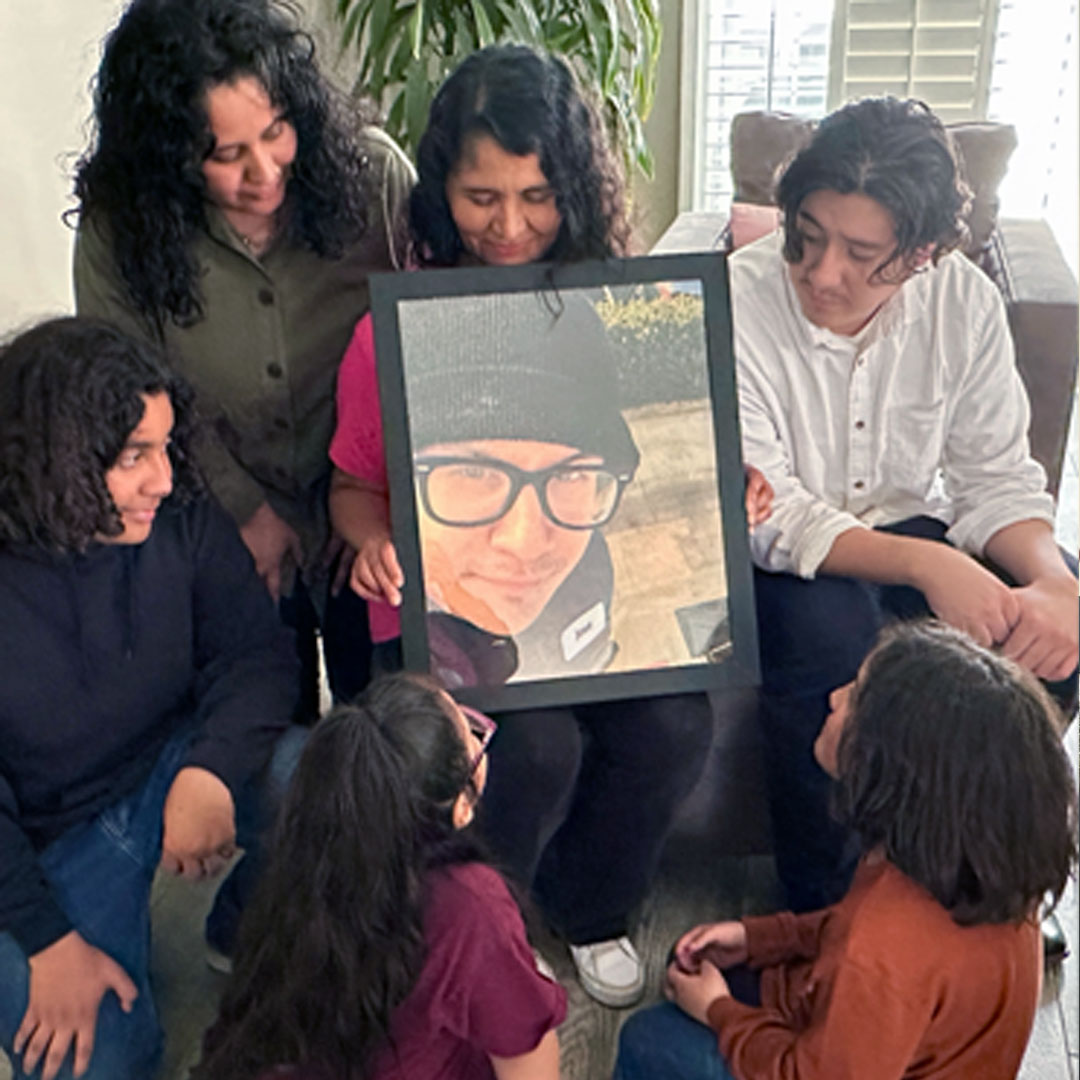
{"points": [[483, 728], [465, 491]]}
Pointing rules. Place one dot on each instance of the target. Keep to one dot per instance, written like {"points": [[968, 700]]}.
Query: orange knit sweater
{"points": [[883, 986]]}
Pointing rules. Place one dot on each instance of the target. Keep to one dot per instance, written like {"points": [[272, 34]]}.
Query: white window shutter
{"points": [[939, 51]]}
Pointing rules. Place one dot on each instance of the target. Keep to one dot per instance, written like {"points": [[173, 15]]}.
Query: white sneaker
{"points": [[610, 971]]}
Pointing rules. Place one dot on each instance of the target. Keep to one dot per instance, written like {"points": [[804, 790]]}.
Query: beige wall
{"points": [[655, 202], [48, 51]]}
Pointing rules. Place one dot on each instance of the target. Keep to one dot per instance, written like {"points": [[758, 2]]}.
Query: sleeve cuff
{"points": [[725, 1009], [45, 924], [972, 530], [769, 938]]}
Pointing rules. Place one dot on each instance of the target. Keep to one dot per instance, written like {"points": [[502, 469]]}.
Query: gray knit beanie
{"points": [[513, 366]]}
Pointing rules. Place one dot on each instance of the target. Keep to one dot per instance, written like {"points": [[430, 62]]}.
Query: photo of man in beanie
{"points": [[520, 455]]}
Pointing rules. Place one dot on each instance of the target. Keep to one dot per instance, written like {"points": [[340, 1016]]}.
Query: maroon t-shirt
{"points": [[479, 991]]}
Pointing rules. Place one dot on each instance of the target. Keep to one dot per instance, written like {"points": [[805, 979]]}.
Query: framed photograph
{"points": [[566, 482]]}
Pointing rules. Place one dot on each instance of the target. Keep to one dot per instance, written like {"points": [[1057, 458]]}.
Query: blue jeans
{"points": [[663, 1043], [101, 872]]}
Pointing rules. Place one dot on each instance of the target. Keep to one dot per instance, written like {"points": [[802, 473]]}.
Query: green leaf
{"points": [[416, 29], [395, 118], [523, 23], [612, 42], [351, 27], [418, 93], [465, 40], [484, 32]]}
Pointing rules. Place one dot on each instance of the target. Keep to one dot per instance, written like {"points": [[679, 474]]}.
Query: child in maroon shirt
{"points": [[380, 946]]}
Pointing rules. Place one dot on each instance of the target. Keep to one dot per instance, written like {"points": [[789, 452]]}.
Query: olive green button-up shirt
{"points": [[263, 359]]}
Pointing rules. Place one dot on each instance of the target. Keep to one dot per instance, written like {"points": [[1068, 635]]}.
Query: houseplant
{"points": [[407, 47]]}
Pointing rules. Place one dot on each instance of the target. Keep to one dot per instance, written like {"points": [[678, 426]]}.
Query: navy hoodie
{"points": [[103, 656]]}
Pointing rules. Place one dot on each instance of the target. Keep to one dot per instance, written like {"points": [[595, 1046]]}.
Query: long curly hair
{"points": [[333, 939], [142, 175], [952, 761], [899, 154], [71, 392], [528, 103]]}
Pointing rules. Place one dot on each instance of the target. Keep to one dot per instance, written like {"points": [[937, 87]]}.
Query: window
{"points": [[809, 56], [1033, 86], [935, 50], [751, 55]]}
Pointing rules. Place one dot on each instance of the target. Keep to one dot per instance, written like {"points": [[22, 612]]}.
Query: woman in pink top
{"points": [[514, 168], [380, 946], [951, 771]]}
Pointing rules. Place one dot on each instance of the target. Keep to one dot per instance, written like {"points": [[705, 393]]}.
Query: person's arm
{"points": [[861, 1025], [361, 514], [245, 677], [801, 527], [68, 980], [957, 588], [541, 1063], [68, 977], [99, 287], [269, 539], [1045, 636], [989, 473], [759, 496], [359, 500]]}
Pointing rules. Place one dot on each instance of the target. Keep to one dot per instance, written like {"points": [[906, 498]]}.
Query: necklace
{"points": [[255, 246]]}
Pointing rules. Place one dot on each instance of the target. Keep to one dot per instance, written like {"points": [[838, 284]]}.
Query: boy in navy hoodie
{"points": [[144, 682]]}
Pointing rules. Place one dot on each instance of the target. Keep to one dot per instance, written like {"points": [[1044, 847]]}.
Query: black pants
{"points": [[346, 643], [579, 802], [813, 636]]}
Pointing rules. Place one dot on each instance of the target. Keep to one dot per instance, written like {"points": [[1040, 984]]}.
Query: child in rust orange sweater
{"points": [[950, 769]]}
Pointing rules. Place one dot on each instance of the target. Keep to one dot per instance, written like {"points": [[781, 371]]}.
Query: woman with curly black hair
{"points": [[145, 682], [379, 946], [515, 167], [71, 392], [231, 208]]}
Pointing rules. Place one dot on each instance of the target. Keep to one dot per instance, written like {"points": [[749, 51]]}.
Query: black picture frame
{"points": [[734, 661]]}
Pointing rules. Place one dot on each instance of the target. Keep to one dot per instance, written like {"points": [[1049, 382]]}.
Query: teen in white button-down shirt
{"points": [[879, 395], [922, 412]]}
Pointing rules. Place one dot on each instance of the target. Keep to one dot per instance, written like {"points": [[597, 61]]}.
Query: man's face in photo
{"points": [[500, 573]]}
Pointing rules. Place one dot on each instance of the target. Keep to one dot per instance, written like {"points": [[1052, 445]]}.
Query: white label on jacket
{"points": [[582, 630]]}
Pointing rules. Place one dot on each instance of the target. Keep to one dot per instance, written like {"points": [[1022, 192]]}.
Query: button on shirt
{"points": [[922, 412], [263, 358]]}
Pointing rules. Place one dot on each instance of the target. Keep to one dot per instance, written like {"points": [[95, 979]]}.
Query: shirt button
{"points": [[859, 485], [859, 425], [274, 370], [860, 361], [266, 297]]}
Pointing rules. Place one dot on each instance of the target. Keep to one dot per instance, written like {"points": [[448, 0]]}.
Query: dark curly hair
{"points": [[952, 761], [142, 175], [333, 940], [900, 155], [70, 395], [528, 103]]}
